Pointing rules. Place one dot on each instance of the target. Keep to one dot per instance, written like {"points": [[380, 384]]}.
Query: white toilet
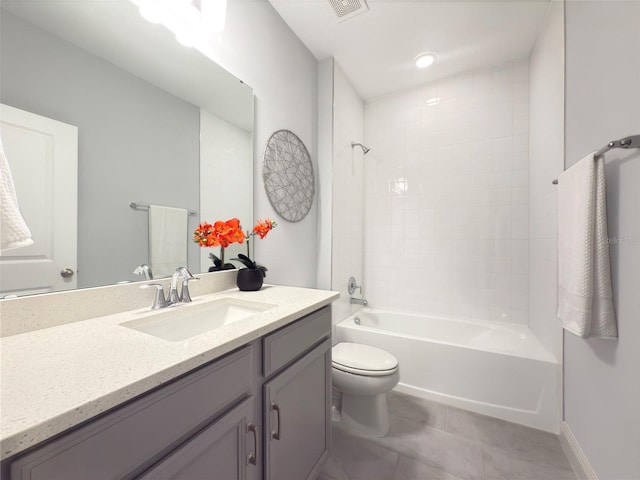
{"points": [[363, 375]]}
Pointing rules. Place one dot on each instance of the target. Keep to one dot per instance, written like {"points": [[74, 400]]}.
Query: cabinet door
{"points": [[224, 450], [297, 417]]}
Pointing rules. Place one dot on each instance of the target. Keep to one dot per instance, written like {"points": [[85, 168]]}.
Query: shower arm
{"points": [[364, 148]]}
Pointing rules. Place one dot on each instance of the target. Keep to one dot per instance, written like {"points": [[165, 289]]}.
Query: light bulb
{"points": [[151, 13], [214, 14], [425, 59]]}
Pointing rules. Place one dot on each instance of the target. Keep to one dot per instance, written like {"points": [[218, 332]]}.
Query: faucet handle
{"points": [[352, 286], [185, 297], [159, 301], [145, 270]]}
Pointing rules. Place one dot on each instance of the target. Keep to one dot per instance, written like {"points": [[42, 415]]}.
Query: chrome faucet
{"points": [[358, 301], [183, 296], [352, 286]]}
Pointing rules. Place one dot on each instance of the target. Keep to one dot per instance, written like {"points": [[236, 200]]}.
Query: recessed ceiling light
{"points": [[425, 59]]}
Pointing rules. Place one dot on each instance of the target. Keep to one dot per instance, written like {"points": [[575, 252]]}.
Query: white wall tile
{"points": [[446, 197]]}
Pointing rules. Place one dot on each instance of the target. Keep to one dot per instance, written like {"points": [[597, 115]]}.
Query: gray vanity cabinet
{"points": [[260, 412], [297, 409], [297, 400], [126, 441]]}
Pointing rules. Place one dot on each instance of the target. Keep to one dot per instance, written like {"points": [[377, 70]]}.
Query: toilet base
{"points": [[367, 415]]}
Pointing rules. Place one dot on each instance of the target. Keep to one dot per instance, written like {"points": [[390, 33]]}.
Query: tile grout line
{"points": [[484, 470], [446, 418]]}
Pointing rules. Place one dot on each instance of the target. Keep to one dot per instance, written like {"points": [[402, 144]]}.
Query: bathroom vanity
{"points": [[259, 409]]}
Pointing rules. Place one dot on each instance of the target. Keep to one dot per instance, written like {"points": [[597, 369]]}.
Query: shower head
{"points": [[365, 150]]}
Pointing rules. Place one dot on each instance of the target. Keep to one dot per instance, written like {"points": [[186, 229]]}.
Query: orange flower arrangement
{"points": [[262, 228], [220, 234]]}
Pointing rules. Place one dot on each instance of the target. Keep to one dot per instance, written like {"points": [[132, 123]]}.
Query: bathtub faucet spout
{"points": [[358, 301]]}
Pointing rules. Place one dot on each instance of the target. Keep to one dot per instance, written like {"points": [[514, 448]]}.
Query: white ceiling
{"points": [[376, 48]]}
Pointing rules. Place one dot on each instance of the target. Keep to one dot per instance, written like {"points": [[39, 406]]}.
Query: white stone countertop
{"points": [[58, 377]]}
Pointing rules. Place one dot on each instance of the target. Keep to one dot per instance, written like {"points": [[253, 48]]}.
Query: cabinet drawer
{"points": [[128, 439], [289, 342]]}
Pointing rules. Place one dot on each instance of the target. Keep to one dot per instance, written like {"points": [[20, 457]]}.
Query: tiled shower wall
{"points": [[446, 197]]}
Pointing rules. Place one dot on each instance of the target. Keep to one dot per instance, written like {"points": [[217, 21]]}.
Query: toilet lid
{"points": [[359, 358]]}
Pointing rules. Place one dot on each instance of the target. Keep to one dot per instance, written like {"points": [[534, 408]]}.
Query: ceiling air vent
{"points": [[346, 9]]}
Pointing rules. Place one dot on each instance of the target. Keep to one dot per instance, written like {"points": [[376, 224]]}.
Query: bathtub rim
{"points": [[546, 356]]}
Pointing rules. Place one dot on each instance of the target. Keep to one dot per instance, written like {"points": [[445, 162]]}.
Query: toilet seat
{"points": [[363, 360]]}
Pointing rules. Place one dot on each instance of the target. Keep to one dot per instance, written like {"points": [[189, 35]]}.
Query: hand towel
{"points": [[14, 232], [585, 303], [167, 239]]}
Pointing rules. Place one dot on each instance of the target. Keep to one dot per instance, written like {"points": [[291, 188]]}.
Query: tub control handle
{"points": [[275, 434], [352, 286]]}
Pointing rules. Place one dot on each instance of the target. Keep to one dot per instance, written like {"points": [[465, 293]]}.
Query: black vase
{"points": [[250, 279]]}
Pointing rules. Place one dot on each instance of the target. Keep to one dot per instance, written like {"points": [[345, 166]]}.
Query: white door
{"points": [[43, 157]]}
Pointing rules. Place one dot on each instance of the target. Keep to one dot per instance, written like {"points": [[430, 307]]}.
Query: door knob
{"points": [[67, 273]]}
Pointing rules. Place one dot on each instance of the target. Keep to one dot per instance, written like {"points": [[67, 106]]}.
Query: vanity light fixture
{"points": [[187, 19], [425, 59], [214, 14], [150, 12]]}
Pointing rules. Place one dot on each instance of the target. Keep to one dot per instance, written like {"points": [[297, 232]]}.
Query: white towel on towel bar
{"points": [[167, 239], [585, 303], [14, 232]]}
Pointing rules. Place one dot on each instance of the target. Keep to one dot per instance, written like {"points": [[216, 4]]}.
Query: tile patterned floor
{"points": [[431, 441]]}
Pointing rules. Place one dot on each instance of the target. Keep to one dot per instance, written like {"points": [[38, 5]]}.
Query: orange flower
{"points": [[263, 227], [220, 234]]}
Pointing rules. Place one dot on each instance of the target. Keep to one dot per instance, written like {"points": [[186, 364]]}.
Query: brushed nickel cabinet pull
{"points": [[251, 458], [275, 434]]}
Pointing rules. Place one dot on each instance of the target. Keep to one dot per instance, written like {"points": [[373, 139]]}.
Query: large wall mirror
{"points": [[157, 123]]}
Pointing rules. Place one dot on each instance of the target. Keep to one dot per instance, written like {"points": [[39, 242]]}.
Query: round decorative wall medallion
{"points": [[288, 176]]}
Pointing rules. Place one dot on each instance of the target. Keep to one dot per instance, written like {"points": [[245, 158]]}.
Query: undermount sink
{"points": [[185, 321]]}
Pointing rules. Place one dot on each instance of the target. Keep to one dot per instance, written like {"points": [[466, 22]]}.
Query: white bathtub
{"points": [[495, 369]]}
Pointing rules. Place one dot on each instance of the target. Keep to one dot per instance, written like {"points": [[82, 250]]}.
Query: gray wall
{"points": [[602, 377], [258, 47], [136, 143]]}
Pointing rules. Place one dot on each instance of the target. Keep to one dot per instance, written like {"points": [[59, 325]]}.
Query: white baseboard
{"points": [[575, 455]]}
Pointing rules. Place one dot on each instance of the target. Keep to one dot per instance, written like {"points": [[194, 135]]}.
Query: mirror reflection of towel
{"points": [[167, 239], [14, 232]]}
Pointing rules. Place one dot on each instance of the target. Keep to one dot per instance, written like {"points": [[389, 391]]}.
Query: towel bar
{"points": [[627, 142], [140, 206]]}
